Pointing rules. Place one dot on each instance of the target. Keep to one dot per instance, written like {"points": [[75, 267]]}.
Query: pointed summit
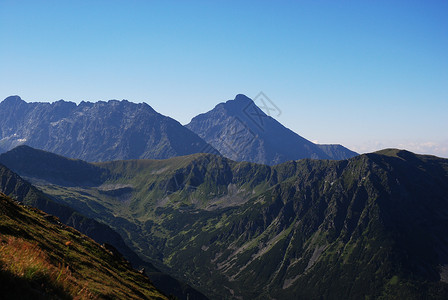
{"points": [[242, 131], [236, 106], [242, 98]]}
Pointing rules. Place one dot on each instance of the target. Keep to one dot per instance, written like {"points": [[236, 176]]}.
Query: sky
{"points": [[365, 74]]}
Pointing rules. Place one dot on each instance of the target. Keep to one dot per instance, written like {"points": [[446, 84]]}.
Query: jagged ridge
{"points": [[98, 131]]}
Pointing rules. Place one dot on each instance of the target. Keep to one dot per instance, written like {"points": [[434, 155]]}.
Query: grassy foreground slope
{"points": [[42, 260]]}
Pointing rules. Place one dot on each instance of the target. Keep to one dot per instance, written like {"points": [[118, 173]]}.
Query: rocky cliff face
{"points": [[241, 131], [98, 131]]}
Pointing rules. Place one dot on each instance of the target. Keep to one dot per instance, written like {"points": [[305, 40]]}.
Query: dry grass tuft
{"points": [[27, 261]]}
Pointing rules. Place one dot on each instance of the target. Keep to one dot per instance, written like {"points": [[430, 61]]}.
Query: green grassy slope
{"points": [[42, 260]]}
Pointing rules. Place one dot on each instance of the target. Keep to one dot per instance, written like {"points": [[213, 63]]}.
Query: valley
{"points": [[371, 226]]}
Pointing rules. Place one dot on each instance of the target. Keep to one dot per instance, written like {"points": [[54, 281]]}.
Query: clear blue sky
{"points": [[366, 74]]}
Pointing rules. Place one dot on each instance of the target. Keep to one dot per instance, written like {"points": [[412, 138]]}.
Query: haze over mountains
{"points": [[373, 226], [112, 130]]}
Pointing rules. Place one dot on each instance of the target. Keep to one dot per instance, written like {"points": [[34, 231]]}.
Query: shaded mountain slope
{"points": [[373, 226], [337, 151], [41, 260], [241, 131], [98, 131], [14, 186]]}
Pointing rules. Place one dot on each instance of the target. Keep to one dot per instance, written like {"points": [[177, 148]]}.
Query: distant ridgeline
{"points": [[115, 130], [100, 131], [370, 227]]}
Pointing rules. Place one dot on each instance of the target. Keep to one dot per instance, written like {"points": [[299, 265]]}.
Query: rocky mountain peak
{"points": [[242, 131], [99, 131], [236, 106], [12, 100], [241, 99]]}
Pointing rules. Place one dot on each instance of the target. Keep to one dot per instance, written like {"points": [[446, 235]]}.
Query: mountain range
{"points": [[113, 130], [369, 227], [232, 205], [98, 131]]}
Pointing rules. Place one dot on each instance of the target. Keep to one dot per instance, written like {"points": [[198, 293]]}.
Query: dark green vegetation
{"points": [[98, 131], [14, 186], [241, 131], [371, 227], [41, 260]]}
